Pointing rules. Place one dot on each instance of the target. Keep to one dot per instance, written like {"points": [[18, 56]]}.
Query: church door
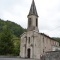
{"points": [[28, 53]]}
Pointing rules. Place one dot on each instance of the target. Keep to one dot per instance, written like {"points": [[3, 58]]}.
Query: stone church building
{"points": [[33, 43]]}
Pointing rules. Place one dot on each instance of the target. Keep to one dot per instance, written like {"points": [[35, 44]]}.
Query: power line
{"points": [[55, 28]]}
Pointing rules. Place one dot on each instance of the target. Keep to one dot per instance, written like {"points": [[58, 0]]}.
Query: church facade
{"points": [[34, 44]]}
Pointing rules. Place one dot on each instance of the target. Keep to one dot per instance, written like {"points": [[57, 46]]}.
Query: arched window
{"points": [[36, 22], [29, 22], [29, 40]]}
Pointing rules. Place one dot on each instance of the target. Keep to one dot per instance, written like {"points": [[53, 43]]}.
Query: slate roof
{"points": [[33, 10]]}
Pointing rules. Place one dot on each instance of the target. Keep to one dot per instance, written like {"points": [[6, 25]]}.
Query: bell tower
{"points": [[29, 39], [33, 18]]}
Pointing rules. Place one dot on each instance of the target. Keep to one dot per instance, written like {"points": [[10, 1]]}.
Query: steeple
{"points": [[33, 10], [33, 18]]}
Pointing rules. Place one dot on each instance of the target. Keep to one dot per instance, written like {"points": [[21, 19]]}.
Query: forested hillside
{"points": [[57, 39], [10, 37], [16, 29]]}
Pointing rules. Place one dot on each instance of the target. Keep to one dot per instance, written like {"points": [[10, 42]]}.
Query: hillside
{"points": [[16, 29], [10, 31], [57, 39]]}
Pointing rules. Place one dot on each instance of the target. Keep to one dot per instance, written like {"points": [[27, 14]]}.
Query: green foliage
{"points": [[57, 39], [16, 46], [16, 29], [6, 43], [10, 37]]}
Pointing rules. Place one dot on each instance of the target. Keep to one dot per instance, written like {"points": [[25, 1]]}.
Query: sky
{"points": [[48, 11]]}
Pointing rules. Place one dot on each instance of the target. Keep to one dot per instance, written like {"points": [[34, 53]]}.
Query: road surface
{"points": [[14, 59]]}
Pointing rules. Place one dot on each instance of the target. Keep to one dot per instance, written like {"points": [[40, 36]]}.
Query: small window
{"points": [[29, 40], [26, 39], [43, 50], [36, 22], [29, 22]]}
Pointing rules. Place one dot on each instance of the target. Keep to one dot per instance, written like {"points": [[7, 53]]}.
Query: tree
{"points": [[16, 29], [16, 46], [6, 43]]}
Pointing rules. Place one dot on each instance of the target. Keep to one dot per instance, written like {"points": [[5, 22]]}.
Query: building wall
{"points": [[47, 44], [39, 44], [51, 55], [22, 44]]}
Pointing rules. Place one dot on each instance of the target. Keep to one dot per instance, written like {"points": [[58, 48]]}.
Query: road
{"points": [[9, 59], [14, 59]]}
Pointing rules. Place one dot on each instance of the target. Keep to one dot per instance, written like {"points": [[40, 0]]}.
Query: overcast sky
{"points": [[48, 11]]}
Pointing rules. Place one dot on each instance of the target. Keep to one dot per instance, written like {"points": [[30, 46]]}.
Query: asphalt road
{"points": [[10, 59], [14, 59]]}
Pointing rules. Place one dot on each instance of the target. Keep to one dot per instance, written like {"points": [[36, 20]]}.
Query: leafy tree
{"points": [[8, 30], [16, 29], [6, 43], [16, 46]]}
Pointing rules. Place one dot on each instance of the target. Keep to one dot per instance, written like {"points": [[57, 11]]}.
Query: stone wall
{"points": [[52, 55]]}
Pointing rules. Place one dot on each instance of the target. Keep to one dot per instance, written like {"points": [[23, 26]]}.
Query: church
{"points": [[34, 44]]}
